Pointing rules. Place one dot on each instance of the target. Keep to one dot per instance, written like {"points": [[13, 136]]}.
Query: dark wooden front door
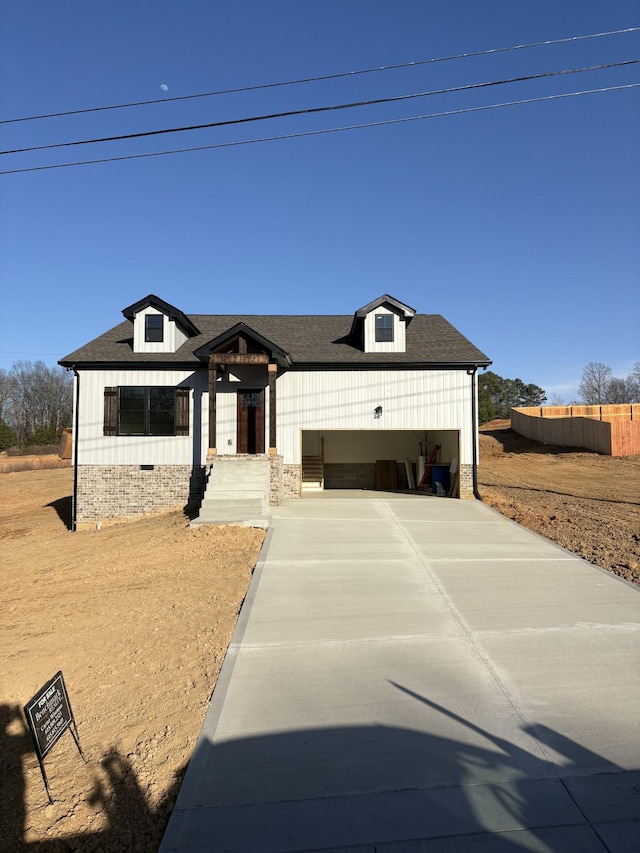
{"points": [[250, 438]]}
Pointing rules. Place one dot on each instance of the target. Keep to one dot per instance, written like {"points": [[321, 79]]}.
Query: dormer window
{"points": [[381, 326], [158, 326], [384, 327], [154, 328]]}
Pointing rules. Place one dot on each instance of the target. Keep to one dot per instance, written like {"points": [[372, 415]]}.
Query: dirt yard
{"points": [[138, 617], [587, 503]]}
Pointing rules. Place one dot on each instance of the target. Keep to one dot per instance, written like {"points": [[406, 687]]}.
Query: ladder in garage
{"points": [[424, 482]]}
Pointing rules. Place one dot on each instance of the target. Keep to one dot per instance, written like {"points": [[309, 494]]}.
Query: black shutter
{"points": [[110, 411], [182, 411]]}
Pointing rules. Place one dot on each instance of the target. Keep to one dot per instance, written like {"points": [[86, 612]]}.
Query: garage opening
{"points": [[386, 460]]}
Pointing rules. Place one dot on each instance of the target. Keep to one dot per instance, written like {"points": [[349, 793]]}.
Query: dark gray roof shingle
{"points": [[308, 339]]}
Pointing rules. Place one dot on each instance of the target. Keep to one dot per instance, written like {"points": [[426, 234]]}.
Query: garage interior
{"points": [[383, 460]]}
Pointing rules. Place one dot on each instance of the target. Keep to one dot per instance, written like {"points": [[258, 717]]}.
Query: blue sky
{"points": [[520, 225]]}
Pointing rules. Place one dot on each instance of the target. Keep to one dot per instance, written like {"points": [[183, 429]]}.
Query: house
{"points": [[165, 400]]}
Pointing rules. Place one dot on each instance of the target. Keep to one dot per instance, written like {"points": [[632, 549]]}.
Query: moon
{"points": [[164, 87]]}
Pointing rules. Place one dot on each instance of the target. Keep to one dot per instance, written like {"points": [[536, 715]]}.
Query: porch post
{"points": [[273, 372], [213, 375]]}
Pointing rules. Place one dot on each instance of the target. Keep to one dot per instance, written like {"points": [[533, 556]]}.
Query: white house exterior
{"points": [[161, 395]]}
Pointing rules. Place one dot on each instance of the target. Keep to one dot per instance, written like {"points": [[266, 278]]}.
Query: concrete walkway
{"points": [[412, 673]]}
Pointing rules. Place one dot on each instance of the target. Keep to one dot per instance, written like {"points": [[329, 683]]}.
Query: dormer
{"points": [[381, 326], [158, 326]]}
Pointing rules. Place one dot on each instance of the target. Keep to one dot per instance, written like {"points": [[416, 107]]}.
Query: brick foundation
{"points": [[275, 480], [291, 481], [284, 481], [126, 491], [466, 482]]}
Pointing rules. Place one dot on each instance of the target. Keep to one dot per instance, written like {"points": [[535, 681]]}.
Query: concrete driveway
{"points": [[412, 673]]}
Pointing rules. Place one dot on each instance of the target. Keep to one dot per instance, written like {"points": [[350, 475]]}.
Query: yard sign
{"points": [[49, 715]]}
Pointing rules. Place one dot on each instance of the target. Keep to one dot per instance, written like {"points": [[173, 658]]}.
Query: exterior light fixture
{"points": [[377, 412]]}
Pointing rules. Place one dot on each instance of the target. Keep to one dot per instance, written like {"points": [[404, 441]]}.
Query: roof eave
{"points": [[174, 314]]}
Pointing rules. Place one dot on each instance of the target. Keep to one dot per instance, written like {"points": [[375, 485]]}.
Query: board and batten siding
{"points": [[417, 400], [398, 344], [173, 336], [97, 449]]}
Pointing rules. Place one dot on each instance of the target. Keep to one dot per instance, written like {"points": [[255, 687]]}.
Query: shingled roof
{"points": [[311, 340]]}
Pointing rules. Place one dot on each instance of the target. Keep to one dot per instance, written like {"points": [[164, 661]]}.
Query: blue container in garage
{"points": [[440, 474]]}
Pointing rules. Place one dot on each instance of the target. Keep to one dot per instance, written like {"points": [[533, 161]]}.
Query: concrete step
{"points": [[261, 521], [213, 513], [237, 491], [237, 476], [238, 503], [220, 517], [258, 467], [233, 485], [241, 492]]}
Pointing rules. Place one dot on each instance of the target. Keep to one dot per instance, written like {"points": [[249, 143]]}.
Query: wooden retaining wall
{"points": [[611, 430]]}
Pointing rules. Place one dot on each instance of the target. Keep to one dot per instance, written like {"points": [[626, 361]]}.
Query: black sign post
{"points": [[49, 715]]}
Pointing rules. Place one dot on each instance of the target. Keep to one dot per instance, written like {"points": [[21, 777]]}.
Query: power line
{"points": [[323, 77], [330, 108], [319, 132]]}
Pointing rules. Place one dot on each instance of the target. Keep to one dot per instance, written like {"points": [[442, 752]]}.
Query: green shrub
{"points": [[44, 436], [8, 436]]}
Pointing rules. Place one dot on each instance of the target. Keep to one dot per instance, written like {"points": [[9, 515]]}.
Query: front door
{"points": [[250, 437]]}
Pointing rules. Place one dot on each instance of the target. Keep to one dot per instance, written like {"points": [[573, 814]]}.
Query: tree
{"points": [[36, 400], [8, 436], [488, 393], [497, 396], [633, 384], [596, 377], [617, 391], [599, 386], [5, 392]]}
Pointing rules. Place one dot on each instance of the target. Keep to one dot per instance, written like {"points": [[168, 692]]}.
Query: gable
{"points": [[381, 325], [242, 340], [158, 327]]}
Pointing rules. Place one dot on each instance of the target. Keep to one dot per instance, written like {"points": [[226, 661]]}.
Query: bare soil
{"points": [[585, 502], [138, 617]]}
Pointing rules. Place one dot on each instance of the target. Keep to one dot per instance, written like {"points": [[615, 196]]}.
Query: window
{"points": [[251, 399], [146, 411], [154, 328], [143, 410], [384, 327]]}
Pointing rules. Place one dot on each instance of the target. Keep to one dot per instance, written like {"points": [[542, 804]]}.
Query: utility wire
{"points": [[331, 108], [322, 77], [319, 132]]}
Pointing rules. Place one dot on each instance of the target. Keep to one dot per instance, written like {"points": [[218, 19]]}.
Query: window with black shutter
{"points": [[182, 411], [146, 410], [110, 411]]}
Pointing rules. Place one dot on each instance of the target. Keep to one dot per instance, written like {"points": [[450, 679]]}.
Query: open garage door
{"points": [[379, 459]]}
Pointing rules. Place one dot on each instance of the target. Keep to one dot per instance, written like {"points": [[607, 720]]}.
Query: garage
{"points": [[379, 459]]}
